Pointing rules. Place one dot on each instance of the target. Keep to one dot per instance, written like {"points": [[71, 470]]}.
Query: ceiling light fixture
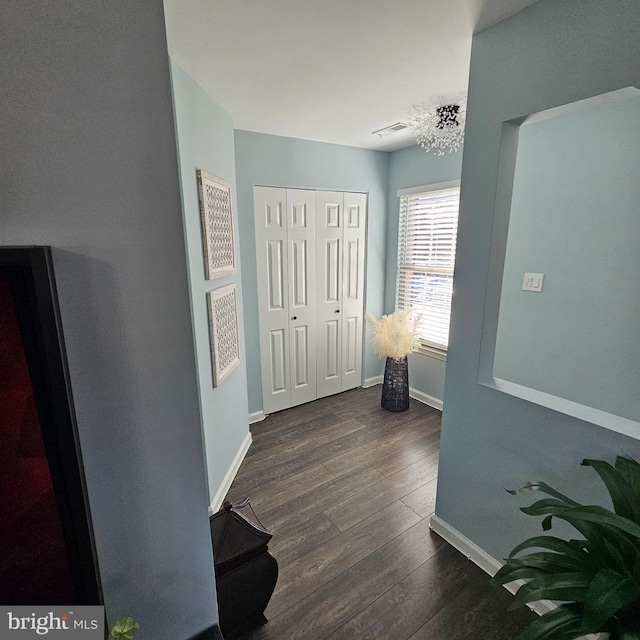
{"points": [[439, 124]]}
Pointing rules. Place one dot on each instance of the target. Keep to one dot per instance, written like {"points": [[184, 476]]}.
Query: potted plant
{"points": [[597, 576], [394, 337], [124, 629]]}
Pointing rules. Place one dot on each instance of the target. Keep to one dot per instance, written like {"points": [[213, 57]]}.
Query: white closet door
{"points": [[352, 311], [330, 209], [310, 252], [301, 214], [270, 208]]}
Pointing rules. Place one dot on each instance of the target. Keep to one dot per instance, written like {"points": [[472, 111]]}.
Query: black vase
{"points": [[395, 387]]}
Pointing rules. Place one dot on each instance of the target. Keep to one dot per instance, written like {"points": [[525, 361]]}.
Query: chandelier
{"points": [[439, 124]]}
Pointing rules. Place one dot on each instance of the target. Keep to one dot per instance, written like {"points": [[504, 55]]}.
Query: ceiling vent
{"points": [[392, 128]]}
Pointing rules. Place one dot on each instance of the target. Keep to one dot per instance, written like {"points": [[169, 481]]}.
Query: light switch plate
{"points": [[533, 282]]}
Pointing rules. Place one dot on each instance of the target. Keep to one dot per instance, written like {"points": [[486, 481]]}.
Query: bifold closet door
{"points": [[329, 210], [352, 312], [285, 258], [341, 220], [301, 208]]}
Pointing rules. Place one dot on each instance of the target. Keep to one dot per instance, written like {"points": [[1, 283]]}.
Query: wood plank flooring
{"points": [[347, 489]]}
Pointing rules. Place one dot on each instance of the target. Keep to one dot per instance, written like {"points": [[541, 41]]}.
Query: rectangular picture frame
{"points": [[222, 306], [216, 216]]}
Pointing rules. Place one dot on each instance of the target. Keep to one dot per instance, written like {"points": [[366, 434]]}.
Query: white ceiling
{"points": [[329, 70]]}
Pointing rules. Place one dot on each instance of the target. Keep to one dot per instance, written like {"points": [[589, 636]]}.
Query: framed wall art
{"points": [[223, 332], [216, 217]]}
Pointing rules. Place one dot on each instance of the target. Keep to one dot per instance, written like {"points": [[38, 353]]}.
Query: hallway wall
{"points": [[552, 53]]}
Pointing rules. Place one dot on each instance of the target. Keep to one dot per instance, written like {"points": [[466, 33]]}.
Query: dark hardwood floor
{"points": [[347, 489]]}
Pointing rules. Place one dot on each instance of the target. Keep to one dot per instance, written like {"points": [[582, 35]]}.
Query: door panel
{"points": [[301, 214], [350, 345], [300, 274], [332, 355], [272, 272], [329, 206], [355, 206], [300, 357], [277, 356], [332, 261], [275, 275], [352, 271]]}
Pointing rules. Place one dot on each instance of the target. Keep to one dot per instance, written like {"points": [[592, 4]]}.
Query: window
{"points": [[426, 256]]}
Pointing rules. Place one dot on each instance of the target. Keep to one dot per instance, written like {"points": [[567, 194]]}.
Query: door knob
{"points": [[337, 311], [294, 318]]}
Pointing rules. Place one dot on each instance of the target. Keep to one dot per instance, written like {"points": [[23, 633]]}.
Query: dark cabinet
{"points": [[246, 573]]}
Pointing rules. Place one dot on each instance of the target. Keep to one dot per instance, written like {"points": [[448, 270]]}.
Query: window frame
{"points": [[426, 347]]}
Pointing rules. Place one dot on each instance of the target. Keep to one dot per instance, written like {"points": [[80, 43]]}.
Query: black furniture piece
{"points": [[246, 573]]}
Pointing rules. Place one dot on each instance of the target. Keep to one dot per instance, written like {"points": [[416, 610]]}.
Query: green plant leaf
{"points": [[600, 515], [541, 565], [536, 565], [551, 562], [630, 471], [608, 593], [124, 629], [636, 569], [602, 540], [627, 618], [544, 488], [600, 554], [511, 572], [622, 495], [544, 507], [570, 548], [587, 523], [616, 557], [563, 623], [568, 587]]}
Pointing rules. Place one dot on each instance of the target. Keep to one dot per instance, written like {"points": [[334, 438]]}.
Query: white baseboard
{"points": [[256, 416], [480, 557], [372, 382], [425, 398], [218, 499]]}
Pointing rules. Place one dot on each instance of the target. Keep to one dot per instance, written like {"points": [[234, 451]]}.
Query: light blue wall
{"points": [[89, 167], [205, 141], [289, 162], [413, 167], [555, 52], [574, 217]]}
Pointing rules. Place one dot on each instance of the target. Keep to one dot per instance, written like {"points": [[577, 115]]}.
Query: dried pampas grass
{"points": [[394, 335]]}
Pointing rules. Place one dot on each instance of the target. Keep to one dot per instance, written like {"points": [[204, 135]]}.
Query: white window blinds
{"points": [[426, 257]]}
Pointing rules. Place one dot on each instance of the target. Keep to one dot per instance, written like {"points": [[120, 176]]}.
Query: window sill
{"points": [[432, 352]]}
